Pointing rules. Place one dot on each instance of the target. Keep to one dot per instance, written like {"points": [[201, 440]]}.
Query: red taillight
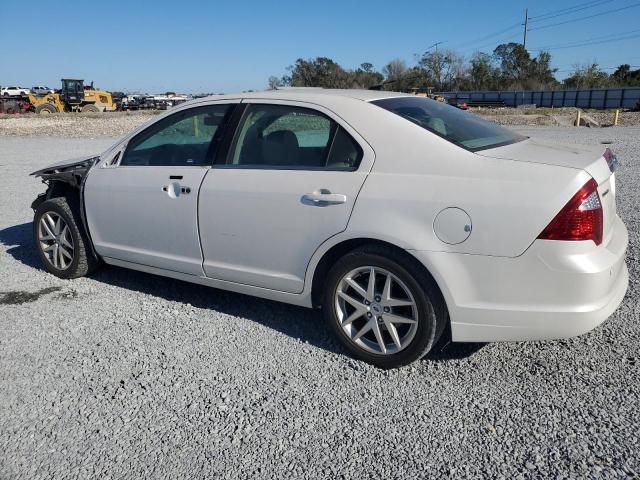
{"points": [[580, 219]]}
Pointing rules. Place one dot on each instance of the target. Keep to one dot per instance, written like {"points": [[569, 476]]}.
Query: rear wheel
{"points": [[383, 308], [90, 107], [46, 109], [60, 240]]}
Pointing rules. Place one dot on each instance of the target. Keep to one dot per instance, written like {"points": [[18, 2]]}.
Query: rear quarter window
{"points": [[457, 126]]}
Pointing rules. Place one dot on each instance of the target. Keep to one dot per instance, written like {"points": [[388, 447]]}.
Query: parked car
{"points": [[41, 90], [406, 220], [460, 103], [14, 91]]}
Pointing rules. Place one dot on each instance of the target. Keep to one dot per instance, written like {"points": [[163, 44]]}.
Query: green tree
{"points": [[318, 72], [541, 75], [587, 76], [515, 65], [482, 73], [625, 77], [366, 76], [443, 68]]}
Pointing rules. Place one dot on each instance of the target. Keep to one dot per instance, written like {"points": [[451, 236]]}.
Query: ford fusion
{"points": [[406, 220]]}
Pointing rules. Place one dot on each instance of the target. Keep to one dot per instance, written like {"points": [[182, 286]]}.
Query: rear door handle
{"points": [[323, 198]]}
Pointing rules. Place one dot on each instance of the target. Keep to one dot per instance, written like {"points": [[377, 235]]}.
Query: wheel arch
{"points": [[345, 246], [57, 188]]}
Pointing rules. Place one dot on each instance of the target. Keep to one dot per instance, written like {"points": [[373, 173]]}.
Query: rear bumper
{"points": [[554, 290]]}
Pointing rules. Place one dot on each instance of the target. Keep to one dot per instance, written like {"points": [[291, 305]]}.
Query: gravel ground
{"points": [[126, 375], [73, 125]]}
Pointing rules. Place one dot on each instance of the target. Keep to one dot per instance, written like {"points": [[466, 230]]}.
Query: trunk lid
{"points": [[585, 157]]}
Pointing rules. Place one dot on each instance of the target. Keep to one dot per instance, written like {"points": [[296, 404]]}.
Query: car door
{"points": [[142, 205], [287, 184]]}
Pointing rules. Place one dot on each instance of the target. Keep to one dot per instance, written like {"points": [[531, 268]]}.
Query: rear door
{"points": [[288, 183], [142, 207]]}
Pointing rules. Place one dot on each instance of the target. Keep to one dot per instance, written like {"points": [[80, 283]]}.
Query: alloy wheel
{"points": [[376, 310], [55, 240]]}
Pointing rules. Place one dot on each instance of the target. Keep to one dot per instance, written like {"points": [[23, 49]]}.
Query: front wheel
{"points": [[383, 308], [60, 240], [46, 109], [90, 107]]}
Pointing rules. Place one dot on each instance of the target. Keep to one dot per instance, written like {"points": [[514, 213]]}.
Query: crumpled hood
{"points": [[82, 162], [584, 157]]}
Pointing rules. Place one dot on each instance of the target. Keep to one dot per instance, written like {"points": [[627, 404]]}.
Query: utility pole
{"points": [[434, 45], [437, 67], [526, 25]]}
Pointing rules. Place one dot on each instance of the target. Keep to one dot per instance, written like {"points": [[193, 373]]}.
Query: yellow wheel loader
{"points": [[73, 97]]}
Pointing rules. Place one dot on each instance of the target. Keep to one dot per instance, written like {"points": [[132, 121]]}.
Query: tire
{"points": [[90, 107], [80, 262], [46, 108], [408, 282]]}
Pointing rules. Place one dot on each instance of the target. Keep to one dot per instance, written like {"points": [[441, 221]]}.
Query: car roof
{"points": [[312, 94]]}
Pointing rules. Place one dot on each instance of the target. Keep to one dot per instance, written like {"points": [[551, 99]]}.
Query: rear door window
{"points": [[288, 137]]}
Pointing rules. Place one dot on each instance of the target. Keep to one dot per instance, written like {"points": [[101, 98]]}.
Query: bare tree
{"points": [[395, 69]]}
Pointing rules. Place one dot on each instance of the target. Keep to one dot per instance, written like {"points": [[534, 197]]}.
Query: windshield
{"points": [[457, 126]]}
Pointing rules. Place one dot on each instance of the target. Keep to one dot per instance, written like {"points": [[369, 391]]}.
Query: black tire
{"points": [[83, 262], [432, 312], [46, 108], [91, 108]]}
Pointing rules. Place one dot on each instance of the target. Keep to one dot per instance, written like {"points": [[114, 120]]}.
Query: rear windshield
{"points": [[457, 126]]}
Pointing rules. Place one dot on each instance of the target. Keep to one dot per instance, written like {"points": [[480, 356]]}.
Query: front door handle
{"points": [[323, 198], [175, 190]]}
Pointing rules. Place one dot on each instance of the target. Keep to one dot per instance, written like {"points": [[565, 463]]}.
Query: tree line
{"points": [[509, 67]]}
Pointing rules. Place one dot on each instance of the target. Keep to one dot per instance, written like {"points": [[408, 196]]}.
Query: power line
{"points": [[612, 37], [486, 37], [569, 10], [597, 42], [498, 42], [585, 18]]}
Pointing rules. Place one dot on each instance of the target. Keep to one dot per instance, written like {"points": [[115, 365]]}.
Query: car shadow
{"points": [[19, 242], [297, 322]]}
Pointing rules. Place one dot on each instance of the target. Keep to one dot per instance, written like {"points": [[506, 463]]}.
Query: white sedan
{"points": [[407, 221]]}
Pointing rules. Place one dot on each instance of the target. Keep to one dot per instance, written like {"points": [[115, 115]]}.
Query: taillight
{"points": [[580, 219]]}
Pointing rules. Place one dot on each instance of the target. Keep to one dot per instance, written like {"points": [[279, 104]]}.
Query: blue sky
{"points": [[198, 46]]}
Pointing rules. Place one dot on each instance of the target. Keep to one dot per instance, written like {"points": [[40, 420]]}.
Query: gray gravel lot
{"points": [[126, 375]]}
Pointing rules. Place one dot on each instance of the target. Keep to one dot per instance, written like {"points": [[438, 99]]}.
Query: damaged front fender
{"points": [[71, 172], [66, 179]]}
